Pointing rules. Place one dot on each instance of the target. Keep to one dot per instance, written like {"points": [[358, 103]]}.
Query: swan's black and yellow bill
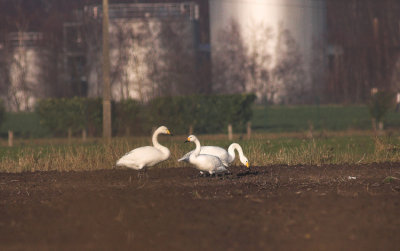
{"points": [[169, 133], [247, 165], [187, 140]]}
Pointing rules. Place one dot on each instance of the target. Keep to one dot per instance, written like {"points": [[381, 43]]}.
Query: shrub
{"points": [[174, 112], [240, 110], [127, 117], [60, 115], [94, 115], [206, 113], [380, 104], [24, 125]]}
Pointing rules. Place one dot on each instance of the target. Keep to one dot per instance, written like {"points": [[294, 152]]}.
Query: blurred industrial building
{"points": [[284, 51], [137, 44]]}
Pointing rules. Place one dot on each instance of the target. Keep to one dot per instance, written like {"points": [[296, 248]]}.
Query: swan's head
{"points": [[245, 161], [164, 130], [191, 138]]}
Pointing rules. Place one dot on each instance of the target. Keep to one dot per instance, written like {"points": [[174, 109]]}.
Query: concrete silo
{"points": [[304, 20]]}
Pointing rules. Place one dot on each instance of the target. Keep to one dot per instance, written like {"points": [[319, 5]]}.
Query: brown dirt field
{"points": [[270, 208]]}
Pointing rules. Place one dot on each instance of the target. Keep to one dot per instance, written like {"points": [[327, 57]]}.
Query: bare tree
{"points": [[149, 58], [177, 57], [259, 63], [91, 31], [19, 90], [368, 36], [289, 70], [4, 70], [171, 59], [123, 51], [230, 61], [152, 60], [239, 68], [16, 64]]}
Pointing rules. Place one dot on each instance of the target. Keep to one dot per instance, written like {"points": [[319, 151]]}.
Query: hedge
{"points": [[127, 116], [76, 114], [23, 125], [206, 113], [380, 104]]}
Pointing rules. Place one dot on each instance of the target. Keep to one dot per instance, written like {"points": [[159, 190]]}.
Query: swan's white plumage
{"points": [[147, 155], [227, 157], [141, 157], [205, 162]]}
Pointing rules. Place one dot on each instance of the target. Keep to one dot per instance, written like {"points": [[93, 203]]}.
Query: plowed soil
{"points": [[268, 208]]}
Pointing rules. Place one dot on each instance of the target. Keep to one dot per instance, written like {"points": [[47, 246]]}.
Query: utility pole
{"points": [[106, 76]]}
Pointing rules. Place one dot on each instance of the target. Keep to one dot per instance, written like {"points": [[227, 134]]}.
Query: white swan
{"points": [[205, 162], [146, 155], [227, 157]]}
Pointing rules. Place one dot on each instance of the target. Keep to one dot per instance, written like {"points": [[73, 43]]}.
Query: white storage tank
{"points": [[304, 20]]}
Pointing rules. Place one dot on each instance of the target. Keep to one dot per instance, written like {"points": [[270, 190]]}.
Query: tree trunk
{"points": [[10, 138], [84, 135], [248, 130]]}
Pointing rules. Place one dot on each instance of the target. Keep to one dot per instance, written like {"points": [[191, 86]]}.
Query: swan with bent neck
{"points": [[146, 155], [227, 157], [205, 162]]}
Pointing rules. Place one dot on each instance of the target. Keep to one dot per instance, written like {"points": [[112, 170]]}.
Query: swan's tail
{"points": [[226, 164], [123, 162], [222, 169], [119, 163], [185, 157]]}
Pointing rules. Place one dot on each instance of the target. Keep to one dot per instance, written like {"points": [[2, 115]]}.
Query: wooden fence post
{"points": [[127, 131], [10, 138], [69, 134], [230, 132], [190, 129], [84, 134], [310, 133]]}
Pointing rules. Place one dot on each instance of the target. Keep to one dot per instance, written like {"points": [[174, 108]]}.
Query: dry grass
{"points": [[261, 150]]}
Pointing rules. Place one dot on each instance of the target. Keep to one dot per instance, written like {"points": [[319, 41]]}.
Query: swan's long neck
{"points": [[158, 145], [155, 140], [231, 151], [198, 148]]}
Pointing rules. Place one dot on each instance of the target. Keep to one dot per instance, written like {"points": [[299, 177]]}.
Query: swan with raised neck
{"points": [[147, 155], [204, 162], [156, 144]]}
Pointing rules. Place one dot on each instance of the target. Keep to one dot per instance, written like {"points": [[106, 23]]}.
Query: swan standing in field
{"points": [[227, 157], [147, 155], [205, 162]]}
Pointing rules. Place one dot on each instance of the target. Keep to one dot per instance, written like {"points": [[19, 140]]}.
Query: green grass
{"points": [[265, 119], [324, 117], [281, 135], [263, 149], [23, 124]]}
